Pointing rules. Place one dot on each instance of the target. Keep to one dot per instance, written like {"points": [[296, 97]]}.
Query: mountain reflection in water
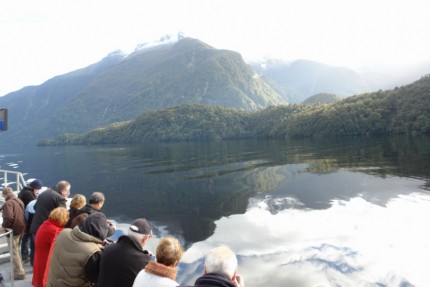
{"points": [[297, 212]]}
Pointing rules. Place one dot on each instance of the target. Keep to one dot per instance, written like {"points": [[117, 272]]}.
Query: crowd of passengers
{"points": [[70, 247]]}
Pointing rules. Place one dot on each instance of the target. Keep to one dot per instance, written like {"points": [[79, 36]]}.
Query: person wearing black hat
{"points": [[122, 261], [75, 258], [28, 194]]}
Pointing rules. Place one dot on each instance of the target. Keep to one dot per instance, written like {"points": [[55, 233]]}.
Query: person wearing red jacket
{"points": [[44, 242]]}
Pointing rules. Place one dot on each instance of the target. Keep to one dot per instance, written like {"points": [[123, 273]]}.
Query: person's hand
{"points": [[2, 230], [238, 281]]}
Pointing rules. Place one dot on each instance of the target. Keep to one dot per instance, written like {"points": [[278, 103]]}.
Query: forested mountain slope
{"points": [[402, 110]]}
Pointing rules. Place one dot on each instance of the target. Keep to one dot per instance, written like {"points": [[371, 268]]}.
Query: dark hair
{"points": [[97, 197]]}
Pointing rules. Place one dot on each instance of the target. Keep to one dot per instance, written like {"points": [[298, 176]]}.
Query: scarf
{"points": [[160, 270]]}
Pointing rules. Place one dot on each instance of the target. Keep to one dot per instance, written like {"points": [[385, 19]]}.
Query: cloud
{"points": [[352, 243], [49, 38]]}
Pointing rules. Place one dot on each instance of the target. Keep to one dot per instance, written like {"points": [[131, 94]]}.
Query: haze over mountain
{"points": [[300, 79]]}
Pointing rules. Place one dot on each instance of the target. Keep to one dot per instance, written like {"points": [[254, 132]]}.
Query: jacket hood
{"points": [[96, 225]]}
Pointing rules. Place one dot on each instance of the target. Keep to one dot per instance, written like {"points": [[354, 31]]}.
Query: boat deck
{"points": [[5, 271], [5, 268]]}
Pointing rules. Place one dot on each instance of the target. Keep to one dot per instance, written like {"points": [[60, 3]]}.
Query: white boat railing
{"points": [[13, 179]]}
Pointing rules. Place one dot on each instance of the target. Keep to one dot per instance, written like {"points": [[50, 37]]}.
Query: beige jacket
{"points": [[71, 251]]}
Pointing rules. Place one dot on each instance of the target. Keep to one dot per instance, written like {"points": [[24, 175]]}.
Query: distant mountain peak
{"points": [[167, 39], [116, 53]]}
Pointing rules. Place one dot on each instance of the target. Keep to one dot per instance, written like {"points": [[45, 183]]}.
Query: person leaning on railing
{"points": [[28, 194], [46, 202], [44, 242], [75, 257], [13, 218]]}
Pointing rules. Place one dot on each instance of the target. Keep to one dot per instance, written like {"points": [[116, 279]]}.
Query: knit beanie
{"points": [[36, 184]]}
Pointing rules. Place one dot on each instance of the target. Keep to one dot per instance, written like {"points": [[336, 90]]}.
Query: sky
{"points": [[44, 38]]}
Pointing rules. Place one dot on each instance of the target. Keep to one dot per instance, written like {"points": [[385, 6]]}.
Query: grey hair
{"points": [[62, 185], [221, 260]]}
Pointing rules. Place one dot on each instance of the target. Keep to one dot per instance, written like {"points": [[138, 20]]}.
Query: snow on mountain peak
{"points": [[164, 40]]}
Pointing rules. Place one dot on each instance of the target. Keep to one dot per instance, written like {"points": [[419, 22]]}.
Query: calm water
{"points": [[297, 212]]}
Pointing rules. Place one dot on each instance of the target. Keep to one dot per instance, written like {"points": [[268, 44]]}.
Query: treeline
{"points": [[402, 110]]}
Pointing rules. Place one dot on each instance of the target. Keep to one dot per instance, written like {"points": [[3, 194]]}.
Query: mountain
{"points": [[33, 108], [404, 110], [301, 79], [122, 87]]}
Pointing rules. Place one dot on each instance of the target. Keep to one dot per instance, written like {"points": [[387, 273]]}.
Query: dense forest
{"points": [[404, 109]]}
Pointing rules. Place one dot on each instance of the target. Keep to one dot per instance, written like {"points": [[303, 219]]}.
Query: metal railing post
{"points": [[12, 278], [10, 246]]}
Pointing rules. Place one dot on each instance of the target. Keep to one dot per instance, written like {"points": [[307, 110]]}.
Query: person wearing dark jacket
{"points": [[95, 204], [46, 202], [28, 194], [220, 270], [122, 261], [13, 218], [75, 259]]}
